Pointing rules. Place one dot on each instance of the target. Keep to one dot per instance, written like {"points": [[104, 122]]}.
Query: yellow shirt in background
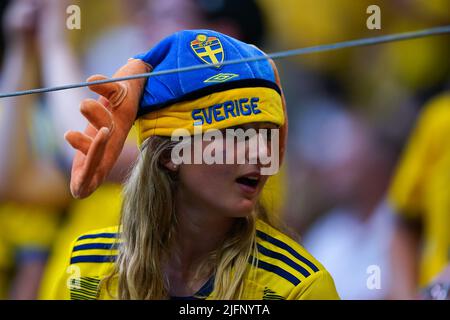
{"points": [[99, 210], [421, 186], [26, 232]]}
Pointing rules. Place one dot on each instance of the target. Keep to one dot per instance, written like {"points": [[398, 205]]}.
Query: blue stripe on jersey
{"points": [[206, 289], [98, 235], [90, 246], [279, 256], [286, 247], [201, 294], [275, 269], [79, 259]]}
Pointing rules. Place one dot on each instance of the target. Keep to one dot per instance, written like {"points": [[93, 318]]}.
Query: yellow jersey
{"points": [[98, 211], [283, 269], [420, 189], [26, 233]]}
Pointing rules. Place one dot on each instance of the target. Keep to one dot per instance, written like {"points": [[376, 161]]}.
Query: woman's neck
{"points": [[199, 232]]}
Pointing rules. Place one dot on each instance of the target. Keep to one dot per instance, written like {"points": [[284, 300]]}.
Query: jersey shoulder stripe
{"points": [[281, 255], [93, 259], [98, 246], [276, 255], [288, 246], [98, 235], [92, 246], [93, 255], [105, 235], [284, 269], [275, 269]]}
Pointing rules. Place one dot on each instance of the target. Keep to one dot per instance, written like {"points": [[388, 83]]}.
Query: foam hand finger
{"points": [[78, 141], [114, 92], [97, 115], [84, 167]]}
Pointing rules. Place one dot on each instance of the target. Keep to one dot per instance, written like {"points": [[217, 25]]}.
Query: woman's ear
{"points": [[166, 161], [169, 165]]}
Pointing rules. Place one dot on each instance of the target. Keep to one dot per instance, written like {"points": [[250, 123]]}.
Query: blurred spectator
{"points": [[439, 288], [36, 170], [32, 189], [352, 167], [60, 66], [420, 194], [385, 85], [148, 21]]}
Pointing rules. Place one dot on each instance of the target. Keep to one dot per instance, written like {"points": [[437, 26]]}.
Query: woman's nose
{"points": [[257, 147]]}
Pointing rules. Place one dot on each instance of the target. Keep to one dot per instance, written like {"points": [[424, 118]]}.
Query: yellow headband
{"points": [[215, 111]]}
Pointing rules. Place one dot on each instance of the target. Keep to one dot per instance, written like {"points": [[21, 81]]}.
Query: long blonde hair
{"points": [[148, 224]]}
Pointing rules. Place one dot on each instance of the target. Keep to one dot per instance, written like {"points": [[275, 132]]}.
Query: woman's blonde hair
{"points": [[148, 224]]}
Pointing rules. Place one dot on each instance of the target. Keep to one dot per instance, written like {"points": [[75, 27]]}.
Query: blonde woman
{"points": [[189, 229]]}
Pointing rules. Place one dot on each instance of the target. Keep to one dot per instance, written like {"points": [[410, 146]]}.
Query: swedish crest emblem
{"points": [[208, 49]]}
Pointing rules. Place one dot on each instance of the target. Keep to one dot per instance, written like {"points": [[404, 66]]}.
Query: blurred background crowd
{"points": [[366, 184]]}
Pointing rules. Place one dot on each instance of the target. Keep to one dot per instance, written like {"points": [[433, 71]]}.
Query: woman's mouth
{"points": [[249, 183]]}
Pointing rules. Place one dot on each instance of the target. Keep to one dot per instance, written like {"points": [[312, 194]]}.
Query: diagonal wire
{"points": [[276, 55]]}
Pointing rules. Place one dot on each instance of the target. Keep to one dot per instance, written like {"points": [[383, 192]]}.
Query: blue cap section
{"points": [[194, 47]]}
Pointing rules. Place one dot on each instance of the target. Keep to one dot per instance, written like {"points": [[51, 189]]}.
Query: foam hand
{"points": [[110, 120]]}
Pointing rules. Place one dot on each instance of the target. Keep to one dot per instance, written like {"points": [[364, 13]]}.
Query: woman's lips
{"points": [[249, 190], [249, 183]]}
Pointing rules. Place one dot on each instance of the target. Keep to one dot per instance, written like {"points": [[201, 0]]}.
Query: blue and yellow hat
{"points": [[211, 98]]}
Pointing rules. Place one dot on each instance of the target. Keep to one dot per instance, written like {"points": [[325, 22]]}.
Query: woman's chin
{"points": [[244, 208]]}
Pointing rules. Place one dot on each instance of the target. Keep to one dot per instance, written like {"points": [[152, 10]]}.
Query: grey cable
{"points": [[275, 55]]}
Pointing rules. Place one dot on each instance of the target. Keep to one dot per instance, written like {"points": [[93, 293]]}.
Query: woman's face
{"points": [[230, 189]]}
